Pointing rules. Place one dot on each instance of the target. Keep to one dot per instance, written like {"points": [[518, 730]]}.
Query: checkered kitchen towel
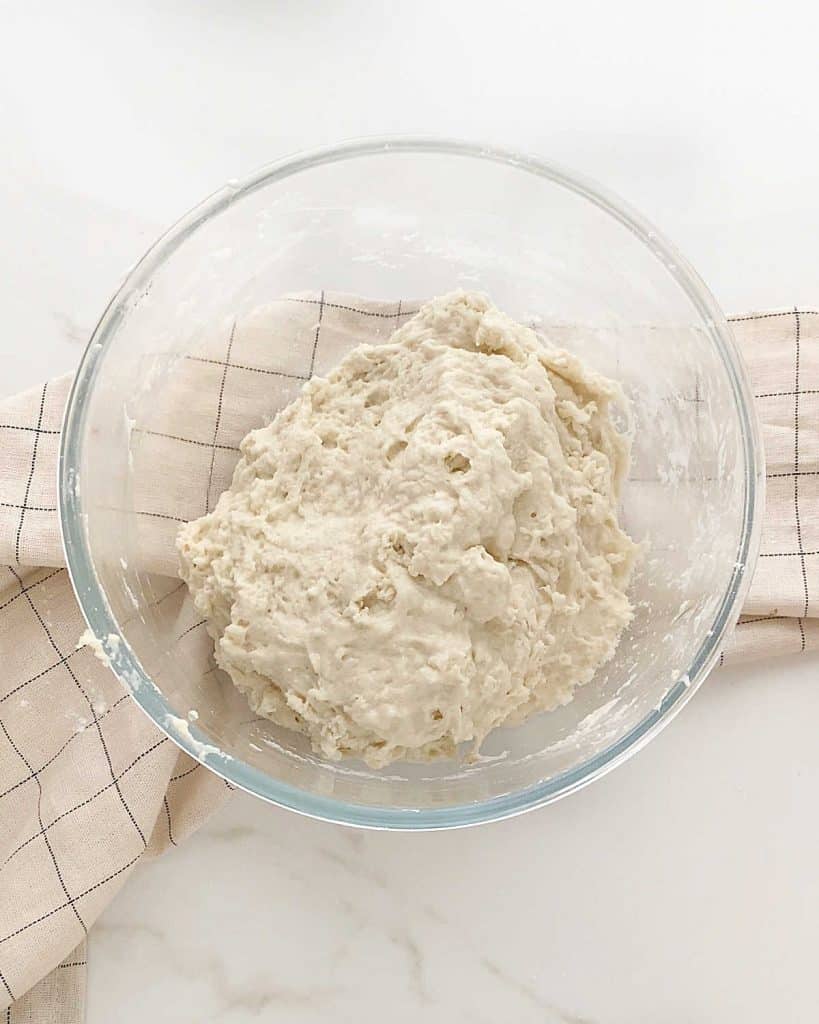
{"points": [[88, 786]]}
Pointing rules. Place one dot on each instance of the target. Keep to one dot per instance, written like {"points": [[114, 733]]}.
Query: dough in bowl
{"points": [[424, 545]]}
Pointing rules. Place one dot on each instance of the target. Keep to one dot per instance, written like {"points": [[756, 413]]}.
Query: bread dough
{"points": [[424, 545]]}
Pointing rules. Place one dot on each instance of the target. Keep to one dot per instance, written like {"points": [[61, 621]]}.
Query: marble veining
{"points": [[224, 995], [70, 329]]}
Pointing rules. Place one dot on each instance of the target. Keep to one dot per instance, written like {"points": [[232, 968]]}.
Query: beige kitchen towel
{"points": [[88, 786]]}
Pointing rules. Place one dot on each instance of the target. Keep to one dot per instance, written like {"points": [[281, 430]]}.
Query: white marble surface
{"points": [[682, 888]]}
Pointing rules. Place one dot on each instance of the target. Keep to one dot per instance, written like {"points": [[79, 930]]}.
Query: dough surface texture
{"points": [[424, 545]]}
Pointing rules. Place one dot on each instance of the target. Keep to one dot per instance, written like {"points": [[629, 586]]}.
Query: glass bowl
{"points": [[392, 219]]}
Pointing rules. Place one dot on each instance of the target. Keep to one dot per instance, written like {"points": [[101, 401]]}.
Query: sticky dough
{"points": [[424, 545]]}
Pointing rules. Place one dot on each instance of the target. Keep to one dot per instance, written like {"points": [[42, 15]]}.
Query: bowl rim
{"points": [[96, 609]]}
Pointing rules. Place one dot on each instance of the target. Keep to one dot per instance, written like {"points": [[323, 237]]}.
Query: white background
{"points": [[682, 888]]}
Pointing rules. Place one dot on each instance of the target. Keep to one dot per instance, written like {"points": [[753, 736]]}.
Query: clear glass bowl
{"points": [[412, 218]]}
